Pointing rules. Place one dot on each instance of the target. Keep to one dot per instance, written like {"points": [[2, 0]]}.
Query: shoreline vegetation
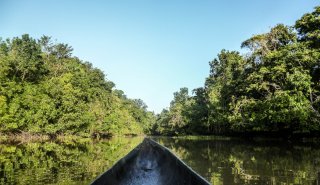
{"points": [[47, 92], [31, 138], [25, 137], [273, 90]]}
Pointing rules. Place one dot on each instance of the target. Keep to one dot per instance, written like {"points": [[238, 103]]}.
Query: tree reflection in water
{"points": [[236, 161], [221, 161], [60, 163]]}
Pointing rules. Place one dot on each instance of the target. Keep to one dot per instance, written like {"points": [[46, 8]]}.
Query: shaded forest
{"points": [[272, 88], [46, 90]]}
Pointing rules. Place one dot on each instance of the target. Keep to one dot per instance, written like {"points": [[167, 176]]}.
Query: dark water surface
{"points": [[220, 160], [235, 161]]}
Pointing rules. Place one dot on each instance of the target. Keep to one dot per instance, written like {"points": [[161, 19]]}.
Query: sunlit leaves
{"points": [[44, 90], [273, 88]]}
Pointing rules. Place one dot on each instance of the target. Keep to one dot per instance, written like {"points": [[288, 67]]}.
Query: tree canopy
{"points": [[45, 90], [274, 87]]}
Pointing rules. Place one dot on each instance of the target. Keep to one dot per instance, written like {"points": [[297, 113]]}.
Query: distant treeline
{"points": [[45, 90], [273, 88]]}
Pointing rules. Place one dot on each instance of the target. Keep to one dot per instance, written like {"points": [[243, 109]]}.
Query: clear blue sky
{"points": [[149, 48]]}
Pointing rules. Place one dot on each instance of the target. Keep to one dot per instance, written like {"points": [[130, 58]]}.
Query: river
{"points": [[220, 160]]}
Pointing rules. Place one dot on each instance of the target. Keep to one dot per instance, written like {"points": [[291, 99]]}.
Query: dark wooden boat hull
{"points": [[150, 164]]}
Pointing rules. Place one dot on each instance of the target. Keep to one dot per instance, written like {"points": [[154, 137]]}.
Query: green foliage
{"points": [[308, 28], [44, 90], [174, 121], [275, 87]]}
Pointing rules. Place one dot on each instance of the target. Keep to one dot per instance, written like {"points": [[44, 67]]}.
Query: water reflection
{"points": [[221, 161], [235, 161], [60, 163]]}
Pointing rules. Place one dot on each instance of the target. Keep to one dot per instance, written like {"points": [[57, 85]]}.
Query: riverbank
{"points": [[25, 137], [256, 136]]}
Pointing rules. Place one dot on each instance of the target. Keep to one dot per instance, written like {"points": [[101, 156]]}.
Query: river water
{"points": [[220, 160]]}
